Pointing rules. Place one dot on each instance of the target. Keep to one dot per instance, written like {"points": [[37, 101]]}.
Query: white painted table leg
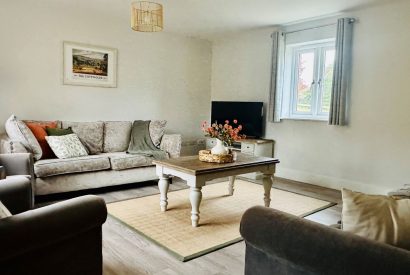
{"points": [[163, 185], [195, 197], [231, 186], [267, 186]]}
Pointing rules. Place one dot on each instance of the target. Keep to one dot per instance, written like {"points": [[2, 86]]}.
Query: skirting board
{"points": [[330, 182]]}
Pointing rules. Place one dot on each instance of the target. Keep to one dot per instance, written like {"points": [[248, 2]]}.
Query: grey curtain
{"points": [[275, 97], [341, 72]]}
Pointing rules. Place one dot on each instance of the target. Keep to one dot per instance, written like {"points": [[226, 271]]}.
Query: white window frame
{"points": [[293, 51]]}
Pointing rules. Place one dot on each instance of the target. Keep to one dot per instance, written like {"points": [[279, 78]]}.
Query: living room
{"points": [[198, 54]]}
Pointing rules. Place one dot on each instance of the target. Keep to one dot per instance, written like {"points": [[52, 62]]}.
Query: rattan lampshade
{"points": [[146, 16]]}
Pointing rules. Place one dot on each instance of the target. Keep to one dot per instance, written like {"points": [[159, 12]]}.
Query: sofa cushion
{"points": [[52, 167], [121, 160], [39, 131], [59, 131], [90, 134], [377, 217], [44, 122], [116, 136], [17, 130], [68, 146], [157, 130]]}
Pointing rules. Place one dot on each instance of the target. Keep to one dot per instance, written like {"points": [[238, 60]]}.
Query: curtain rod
{"points": [[352, 20]]}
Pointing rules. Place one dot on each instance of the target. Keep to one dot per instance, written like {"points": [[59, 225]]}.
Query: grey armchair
{"points": [[62, 238], [279, 243], [16, 190]]}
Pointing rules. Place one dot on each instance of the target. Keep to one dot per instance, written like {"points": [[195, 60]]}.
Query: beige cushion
{"points": [[18, 131], [157, 130], [116, 136], [52, 167], [90, 134], [4, 212], [122, 161], [67, 146], [377, 217]]}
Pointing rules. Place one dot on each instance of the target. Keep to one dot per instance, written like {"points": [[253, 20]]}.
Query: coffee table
{"points": [[196, 173]]}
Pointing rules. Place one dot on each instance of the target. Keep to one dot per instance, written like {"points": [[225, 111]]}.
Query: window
{"points": [[308, 80]]}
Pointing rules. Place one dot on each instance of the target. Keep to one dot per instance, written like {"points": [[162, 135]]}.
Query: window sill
{"points": [[306, 119]]}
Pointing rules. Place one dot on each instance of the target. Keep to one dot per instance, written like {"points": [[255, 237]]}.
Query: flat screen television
{"points": [[248, 114]]}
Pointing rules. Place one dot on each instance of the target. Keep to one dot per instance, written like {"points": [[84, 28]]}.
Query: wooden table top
{"points": [[192, 165]]}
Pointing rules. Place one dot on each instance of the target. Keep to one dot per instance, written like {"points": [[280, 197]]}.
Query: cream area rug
{"points": [[220, 215]]}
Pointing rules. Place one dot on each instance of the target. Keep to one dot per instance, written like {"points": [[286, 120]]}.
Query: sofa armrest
{"points": [[16, 194], [309, 246], [172, 145], [47, 225], [18, 164]]}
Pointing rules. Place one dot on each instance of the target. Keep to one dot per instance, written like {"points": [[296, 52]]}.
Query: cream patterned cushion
{"points": [[17, 130], [52, 167], [68, 146], [117, 136], [128, 161], [4, 212], [157, 130], [90, 133]]}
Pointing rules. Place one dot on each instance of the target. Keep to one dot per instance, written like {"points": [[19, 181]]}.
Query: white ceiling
{"points": [[210, 18]]}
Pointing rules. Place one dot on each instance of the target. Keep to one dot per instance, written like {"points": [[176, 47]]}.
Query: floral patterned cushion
{"points": [[90, 133], [17, 130], [68, 146], [116, 136], [157, 130]]}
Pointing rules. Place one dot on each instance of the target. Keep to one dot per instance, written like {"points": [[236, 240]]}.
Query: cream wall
{"points": [[372, 154], [160, 75]]}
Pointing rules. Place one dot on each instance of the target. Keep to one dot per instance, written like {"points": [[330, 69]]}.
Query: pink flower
{"points": [[227, 121], [240, 127], [235, 121]]}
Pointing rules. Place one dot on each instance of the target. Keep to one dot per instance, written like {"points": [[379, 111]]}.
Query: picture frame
{"points": [[89, 65]]}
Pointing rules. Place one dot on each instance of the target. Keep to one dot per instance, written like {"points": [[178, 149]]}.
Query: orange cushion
{"points": [[39, 131]]}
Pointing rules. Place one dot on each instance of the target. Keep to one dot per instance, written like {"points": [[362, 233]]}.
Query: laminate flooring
{"points": [[126, 252]]}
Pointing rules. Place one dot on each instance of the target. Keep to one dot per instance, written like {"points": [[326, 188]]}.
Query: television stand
{"points": [[251, 146]]}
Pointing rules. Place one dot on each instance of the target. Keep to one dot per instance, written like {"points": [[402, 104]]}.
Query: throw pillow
{"points": [[58, 131], [90, 133], [68, 146], [157, 130], [3, 174], [18, 131], [4, 212], [377, 217], [39, 131], [117, 136]]}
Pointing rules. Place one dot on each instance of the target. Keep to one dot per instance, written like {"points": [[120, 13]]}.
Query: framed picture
{"points": [[89, 65]]}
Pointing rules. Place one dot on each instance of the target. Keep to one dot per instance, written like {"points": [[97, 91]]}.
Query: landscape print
{"points": [[90, 62], [89, 65]]}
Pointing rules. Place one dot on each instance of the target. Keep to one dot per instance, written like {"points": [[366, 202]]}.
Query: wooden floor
{"points": [[126, 252]]}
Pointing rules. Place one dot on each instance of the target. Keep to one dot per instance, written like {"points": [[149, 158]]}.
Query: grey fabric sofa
{"points": [[63, 238], [107, 165], [279, 243]]}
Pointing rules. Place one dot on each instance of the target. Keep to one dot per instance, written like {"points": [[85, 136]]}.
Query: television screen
{"points": [[248, 114]]}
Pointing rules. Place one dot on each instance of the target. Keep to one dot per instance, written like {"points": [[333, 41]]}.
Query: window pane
{"points": [[327, 80], [306, 64]]}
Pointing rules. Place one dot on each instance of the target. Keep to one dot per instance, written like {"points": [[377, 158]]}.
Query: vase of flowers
{"points": [[225, 135]]}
